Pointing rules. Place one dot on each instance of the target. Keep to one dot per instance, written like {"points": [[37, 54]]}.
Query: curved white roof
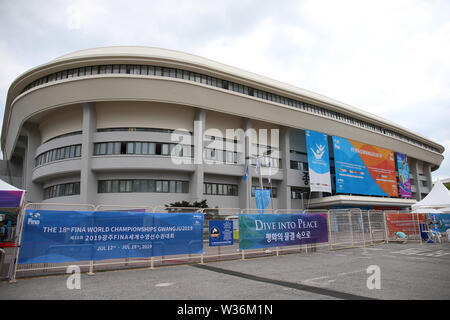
{"points": [[167, 54]]}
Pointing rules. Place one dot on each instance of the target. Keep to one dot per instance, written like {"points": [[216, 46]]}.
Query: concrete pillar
{"points": [[284, 192], [413, 163], [245, 187], [197, 181], [427, 174], [34, 191], [88, 181]]}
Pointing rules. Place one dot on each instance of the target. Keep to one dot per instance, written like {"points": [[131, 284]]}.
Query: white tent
{"points": [[438, 198], [444, 210]]}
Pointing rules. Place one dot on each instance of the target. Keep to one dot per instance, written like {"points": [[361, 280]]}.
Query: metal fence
{"points": [[347, 228]]}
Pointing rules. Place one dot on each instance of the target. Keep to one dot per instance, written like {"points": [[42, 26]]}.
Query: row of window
{"points": [[266, 162], [143, 185], [299, 165], [300, 193], [273, 193], [127, 129], [221, 155], [62, 190], [212, 81], [143, 148], [68, 152], [137, 148], [146, 185], [220, 189]]}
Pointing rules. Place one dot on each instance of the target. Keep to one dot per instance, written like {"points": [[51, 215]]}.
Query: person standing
{"points": [[3, 231]]}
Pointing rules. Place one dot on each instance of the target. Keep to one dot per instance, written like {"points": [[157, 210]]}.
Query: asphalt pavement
{"points": [[411, 271]]}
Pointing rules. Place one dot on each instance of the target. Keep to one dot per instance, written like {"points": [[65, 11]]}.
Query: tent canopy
{"points": [[10, 196], [439, 197]]}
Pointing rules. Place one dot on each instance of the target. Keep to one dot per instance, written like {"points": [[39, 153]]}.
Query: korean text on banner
{"points": [[62, 236], [275, 230]]}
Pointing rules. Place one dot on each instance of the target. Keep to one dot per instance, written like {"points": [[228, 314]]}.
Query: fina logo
{"points": [[33, 218], [319, 153]]}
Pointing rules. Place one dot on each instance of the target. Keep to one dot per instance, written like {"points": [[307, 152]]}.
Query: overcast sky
{"points": [[390, 58]]}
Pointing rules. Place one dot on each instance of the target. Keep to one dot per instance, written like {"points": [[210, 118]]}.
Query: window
{"points": [[165, 186], [130, 148], [165, 149], [58, 154], [172, 186], [62, 190], [220, 189], [138, 148]]}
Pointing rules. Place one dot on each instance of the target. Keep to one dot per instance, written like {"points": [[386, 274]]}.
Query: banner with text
{"points": [[318, 161], [65, 236], [441, 221], [276, 230], [403, 176], [364, 169], [220, 233]]}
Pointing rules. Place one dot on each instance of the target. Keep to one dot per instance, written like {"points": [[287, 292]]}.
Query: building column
{"points": [[427, 174], [284, 194], [245, 187], [413, 163], [197, 181], [34, 192], [88, 181]]}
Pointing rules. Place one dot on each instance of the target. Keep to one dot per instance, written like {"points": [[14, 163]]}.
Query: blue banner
{"points": [[62, 236], [275, 230], [318, 161], [403, 176], [262, 197], [364, 169], [441, 221], [220, 233]]}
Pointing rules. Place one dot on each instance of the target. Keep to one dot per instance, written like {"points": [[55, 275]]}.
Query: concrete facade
{"points": [[122, 109]]}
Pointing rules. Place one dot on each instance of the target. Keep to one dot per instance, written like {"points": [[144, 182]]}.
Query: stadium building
{"points": [[119, 126]]}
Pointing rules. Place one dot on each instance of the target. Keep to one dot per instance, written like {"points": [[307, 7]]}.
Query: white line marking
{"points": [[164, 284]]}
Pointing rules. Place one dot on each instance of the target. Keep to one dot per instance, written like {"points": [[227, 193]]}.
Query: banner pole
{"points": [[351, 226], [364, 234], [386, 232], [91, 263], [370, 227]]}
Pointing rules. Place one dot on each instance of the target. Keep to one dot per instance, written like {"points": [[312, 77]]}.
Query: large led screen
{"points": [[364, 169]]}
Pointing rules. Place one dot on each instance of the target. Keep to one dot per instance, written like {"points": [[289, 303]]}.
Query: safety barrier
{"points": [[347, 228]]}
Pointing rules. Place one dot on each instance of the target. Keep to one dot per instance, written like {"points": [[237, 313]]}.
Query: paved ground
{"points": [[407, 272]]}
